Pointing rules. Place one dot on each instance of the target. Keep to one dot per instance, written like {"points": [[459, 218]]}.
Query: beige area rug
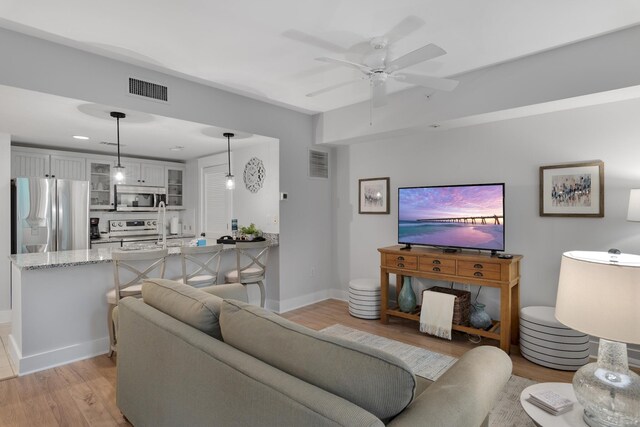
{"points": [[428, 364]]}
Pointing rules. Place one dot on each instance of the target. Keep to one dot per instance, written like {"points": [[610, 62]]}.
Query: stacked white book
{"points": [[551, 402]]}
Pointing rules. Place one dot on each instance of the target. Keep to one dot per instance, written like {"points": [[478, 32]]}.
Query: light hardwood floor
{"points": [[83, 393]]}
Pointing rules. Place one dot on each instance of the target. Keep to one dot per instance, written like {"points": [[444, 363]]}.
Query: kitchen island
{"points": [[59, 306]]}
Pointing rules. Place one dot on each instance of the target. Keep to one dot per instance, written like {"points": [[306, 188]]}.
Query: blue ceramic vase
{"points": [[407, 299], [479, 318]]}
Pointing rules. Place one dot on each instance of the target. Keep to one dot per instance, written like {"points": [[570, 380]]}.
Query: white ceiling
{"points": [[48, 120], [266, 50], [254, 46]]}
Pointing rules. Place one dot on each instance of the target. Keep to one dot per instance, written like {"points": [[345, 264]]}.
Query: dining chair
{"points": [[205, 261], [130, 269], [251, 265]]}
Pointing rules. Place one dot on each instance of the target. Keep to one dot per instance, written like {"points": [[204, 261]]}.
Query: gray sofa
{"points": [[204, 357]]}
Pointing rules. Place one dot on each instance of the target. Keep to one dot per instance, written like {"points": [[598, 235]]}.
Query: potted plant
{"points": [[250, 232]]}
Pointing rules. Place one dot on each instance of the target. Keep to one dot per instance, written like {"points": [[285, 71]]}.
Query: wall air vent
{"points": [[318, 164], [148, 89]]}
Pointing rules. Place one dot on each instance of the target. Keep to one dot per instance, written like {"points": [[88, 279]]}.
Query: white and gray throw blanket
{"points": [[436, 314]]}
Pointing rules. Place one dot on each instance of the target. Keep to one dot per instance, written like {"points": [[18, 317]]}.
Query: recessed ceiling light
{"points": [[177, 148], [83, 138]]}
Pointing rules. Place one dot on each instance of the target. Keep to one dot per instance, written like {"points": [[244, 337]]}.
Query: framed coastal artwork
{"points": [[572, 190], [373, 194]]}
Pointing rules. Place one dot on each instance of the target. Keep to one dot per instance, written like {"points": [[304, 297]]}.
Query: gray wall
{"points": [[5, 229], [509, 151], [35, 64]]}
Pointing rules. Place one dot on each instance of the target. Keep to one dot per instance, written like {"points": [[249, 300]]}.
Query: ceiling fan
{"points": [[377, 67]]}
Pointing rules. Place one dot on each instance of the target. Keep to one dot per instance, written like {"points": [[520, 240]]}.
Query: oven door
{"points": [[131, 198]]}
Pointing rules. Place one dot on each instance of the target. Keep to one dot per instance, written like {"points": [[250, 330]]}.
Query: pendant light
{"points": [[118, 171], [230, 181]]}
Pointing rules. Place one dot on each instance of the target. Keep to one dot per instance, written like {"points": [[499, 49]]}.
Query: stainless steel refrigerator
{"points": [[49, 215]]}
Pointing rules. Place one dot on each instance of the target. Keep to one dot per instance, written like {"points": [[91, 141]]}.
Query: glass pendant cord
{"points": [[228, 135], [118, 137]]}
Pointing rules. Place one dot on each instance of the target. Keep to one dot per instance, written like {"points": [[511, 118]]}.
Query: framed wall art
{"points": [[572, 190], [374, 196]]}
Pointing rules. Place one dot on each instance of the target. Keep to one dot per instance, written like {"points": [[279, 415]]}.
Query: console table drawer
{"points": [[402, 261], [479, 274], [479, 266], [437, 265]]}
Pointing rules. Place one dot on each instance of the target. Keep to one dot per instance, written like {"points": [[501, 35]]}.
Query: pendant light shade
{"points": [[230, 180], [118, 171]]}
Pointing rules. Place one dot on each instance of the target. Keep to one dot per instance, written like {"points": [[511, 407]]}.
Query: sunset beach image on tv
{"points": [[461, 216]]}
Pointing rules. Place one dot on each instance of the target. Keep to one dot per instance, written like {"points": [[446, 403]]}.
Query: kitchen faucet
{"points": [[162, 208]]}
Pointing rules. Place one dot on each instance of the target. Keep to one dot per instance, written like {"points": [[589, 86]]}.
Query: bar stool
{"points": [[252, 268], [134, 262], [207, 262]]}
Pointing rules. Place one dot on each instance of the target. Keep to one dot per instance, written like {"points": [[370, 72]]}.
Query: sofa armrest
{"points": [[235, 291], [462, 396]]}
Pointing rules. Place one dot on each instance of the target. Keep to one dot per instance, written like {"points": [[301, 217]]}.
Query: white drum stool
{"points": [[364, 298], [547, 342]]}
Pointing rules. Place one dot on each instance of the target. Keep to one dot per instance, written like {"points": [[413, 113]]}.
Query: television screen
{"points": [[457, 216]]}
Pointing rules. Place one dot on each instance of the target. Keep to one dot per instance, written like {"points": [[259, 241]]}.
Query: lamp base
{"points": [[608, 390]]}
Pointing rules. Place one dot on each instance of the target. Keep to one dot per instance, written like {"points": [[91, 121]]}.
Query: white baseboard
{"points": [[5, 316], [304, 300], [60, 356]]}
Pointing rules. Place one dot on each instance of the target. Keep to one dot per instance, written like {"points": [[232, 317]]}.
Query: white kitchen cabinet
{"points": [[175, 186], [100, 175], [143, 174], [42, 165]]}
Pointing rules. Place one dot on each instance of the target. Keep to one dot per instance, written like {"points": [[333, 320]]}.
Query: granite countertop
{"points": [[36, 261]]}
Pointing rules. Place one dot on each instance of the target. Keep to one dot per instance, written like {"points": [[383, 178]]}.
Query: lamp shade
{"points": [[599, 294], [633, 214]]}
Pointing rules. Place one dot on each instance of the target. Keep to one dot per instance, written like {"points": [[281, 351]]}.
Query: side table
{"points": [[540, 417]]}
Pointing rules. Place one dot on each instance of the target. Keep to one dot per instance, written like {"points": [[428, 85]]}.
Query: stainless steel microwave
{"points": [[139, 198]]}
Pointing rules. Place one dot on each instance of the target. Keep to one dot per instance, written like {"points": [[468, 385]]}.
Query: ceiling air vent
{"points": [[318, 164], [147, 89]]}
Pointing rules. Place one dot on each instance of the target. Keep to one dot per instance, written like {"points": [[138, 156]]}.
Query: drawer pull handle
{"points": [[436, 268], [478, 266], [435, 261], [400, 264], [478, 274], [400, 258]]}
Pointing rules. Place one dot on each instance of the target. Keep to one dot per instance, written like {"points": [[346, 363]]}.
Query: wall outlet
{"points": [[466, 287]]}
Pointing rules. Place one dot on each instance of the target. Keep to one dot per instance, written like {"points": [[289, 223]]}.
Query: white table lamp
{"points": [[599, 294]]}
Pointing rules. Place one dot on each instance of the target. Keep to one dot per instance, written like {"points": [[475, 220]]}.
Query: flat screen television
{"points": [[452, 217]]}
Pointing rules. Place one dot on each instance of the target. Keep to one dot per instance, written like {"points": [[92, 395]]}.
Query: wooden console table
{"points": [[461, 267]]}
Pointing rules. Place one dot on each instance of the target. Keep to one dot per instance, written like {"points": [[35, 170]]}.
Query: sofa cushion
{"points": [[372, 379], [185, 303]]}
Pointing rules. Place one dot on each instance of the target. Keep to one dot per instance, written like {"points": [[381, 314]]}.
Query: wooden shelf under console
{"points": [[461, 267]]}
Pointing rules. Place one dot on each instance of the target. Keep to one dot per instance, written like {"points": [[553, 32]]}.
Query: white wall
{"points": [[305, 251], [512, 152], [5, 227], [261, 208]]}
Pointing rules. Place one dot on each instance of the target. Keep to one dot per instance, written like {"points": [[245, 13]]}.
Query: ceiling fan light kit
{"points": [[378, 68]]}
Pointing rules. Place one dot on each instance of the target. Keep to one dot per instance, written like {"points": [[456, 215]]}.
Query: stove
{"points": [[137, 229]]}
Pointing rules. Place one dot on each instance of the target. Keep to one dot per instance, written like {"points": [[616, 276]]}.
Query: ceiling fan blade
{"points": [[330, 88], [427, 81], [403, 28], [305, 38], [359, 67], [379, 94], [422, 54]]}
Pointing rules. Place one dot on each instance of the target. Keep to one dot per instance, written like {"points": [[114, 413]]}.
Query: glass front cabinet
{"points": [[175, 186], [100, 173]]}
